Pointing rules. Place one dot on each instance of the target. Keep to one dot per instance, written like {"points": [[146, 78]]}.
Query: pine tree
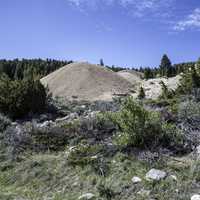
{"points": [[101, 62], [190, 80], [166, 68], [148, 73], [141, 94], [18, 72], [197, 66], [166, 93], [21, 97]]}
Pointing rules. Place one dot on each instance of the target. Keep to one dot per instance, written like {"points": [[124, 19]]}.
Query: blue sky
{"points": [[122, 32]]}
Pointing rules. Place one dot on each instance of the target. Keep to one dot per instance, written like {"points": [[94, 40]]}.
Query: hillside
{"points": [[153, 89], [131, 75], [84, 81], [102, 150]]}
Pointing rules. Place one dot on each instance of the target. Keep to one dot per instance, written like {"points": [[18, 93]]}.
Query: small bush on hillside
{"points": [[105, 191], [140, 128], [52, 139], [141, 94], [83, 155], [21, 97], [92, 156], [189, 82], [189, 120], [189, 110], [166, 93], [4, 122]]}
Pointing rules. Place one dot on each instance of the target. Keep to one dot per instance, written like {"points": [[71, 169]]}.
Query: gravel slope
{"points": [[85, 81]]}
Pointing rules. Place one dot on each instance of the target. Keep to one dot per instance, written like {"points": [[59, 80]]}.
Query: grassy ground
{"points": [[51, 176]]}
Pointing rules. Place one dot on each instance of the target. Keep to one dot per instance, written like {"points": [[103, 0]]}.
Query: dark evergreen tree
{"points": [[190, 80], [166, 68], [197, 66], [19, 74], [166, 93], [148, 73], [21, 97], [141, 94], [101, 62], [19, 69]]}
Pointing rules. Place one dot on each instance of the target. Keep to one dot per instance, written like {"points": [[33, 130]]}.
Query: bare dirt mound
{"points": [[132, 76], [84, 81]]}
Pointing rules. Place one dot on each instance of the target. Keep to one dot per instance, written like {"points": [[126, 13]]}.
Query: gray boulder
{"points": [[155, 175], [198, 150], [136, 180], [195, 197], [87, 196]]}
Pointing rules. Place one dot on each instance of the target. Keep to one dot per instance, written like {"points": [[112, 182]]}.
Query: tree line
{"points": [[165, 69], [19, 69]]}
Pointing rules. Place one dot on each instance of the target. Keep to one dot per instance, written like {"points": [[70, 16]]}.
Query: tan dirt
{"points": [[84, 81]]}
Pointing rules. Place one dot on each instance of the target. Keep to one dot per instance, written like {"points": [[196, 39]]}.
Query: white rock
{"points": [[87, 196], [198, 150], [155, 174], [72, 148], [45, 124], [75, 184], [62, 119], [195, 197], [144, 192], [94, 157], [18, 130], [173, 177], [136, 179]]}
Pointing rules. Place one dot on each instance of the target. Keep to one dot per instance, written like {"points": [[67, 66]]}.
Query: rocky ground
{"points": [[70, 155]]}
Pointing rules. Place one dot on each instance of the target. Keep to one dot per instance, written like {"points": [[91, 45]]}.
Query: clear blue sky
{"points": [[122, 32]]}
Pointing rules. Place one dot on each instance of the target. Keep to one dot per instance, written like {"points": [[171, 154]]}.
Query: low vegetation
{"points": [[83, 149], [21, 97], [145, 129]]}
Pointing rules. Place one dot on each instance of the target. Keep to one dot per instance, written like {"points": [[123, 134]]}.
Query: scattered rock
{"points": [[198, 150], [94, 157], [144, 192], [14, 124], [156, 175], [87, 196], [195, 197], [62, 119], [44, 117], [18, 129], [45, 124], [83, 107], [72, 148], [75, 184], [173, 177], [73, 116], [136, 179]]}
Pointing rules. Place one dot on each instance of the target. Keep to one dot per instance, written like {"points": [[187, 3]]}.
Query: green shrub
{"points": [[166, 93], [4, 123], [105, 191], [190, 80], [21, 97], [189, 117], [141, 128], [48, 139], [83, 155], [141, 94]]}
